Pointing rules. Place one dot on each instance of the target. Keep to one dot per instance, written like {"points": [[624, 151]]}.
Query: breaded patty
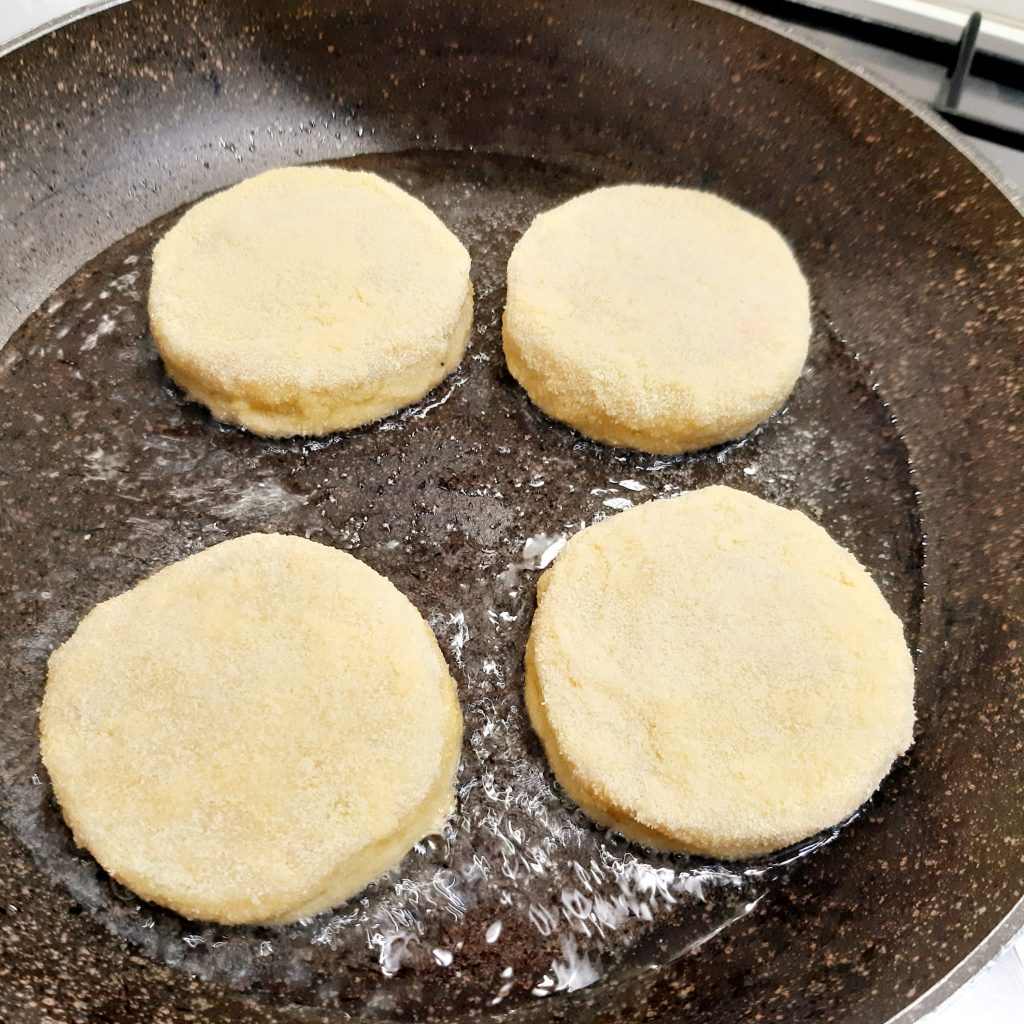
{"points": [[657, 318], [713, 674], [309, 300], [254, 733]]}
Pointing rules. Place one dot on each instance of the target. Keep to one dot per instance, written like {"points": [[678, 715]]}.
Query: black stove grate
{"points": [[961, 59]]}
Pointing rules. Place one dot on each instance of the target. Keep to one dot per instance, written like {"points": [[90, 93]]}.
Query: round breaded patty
{"points": [[664, 319], [308, 300], [713, 674], [254, 733]]}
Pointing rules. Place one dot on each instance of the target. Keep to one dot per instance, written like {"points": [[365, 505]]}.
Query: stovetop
{"points": [[916, 53]]}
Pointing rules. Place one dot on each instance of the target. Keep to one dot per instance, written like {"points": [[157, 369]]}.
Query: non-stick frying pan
{"points": [[903, 438]]}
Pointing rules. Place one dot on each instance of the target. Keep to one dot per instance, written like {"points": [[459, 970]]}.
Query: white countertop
{"points": [[996, 994]]}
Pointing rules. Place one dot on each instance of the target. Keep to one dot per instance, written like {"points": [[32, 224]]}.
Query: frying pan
{"points": [[902, 438]]}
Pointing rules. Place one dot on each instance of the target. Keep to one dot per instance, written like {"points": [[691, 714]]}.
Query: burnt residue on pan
{"points": [[901, 428]]}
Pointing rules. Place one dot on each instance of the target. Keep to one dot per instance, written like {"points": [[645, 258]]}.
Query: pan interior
{"points": [[460, 500]]}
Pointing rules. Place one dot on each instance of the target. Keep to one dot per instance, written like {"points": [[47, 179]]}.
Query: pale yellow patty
{"points": [[657, 318], [308, 300], [254, 733], [712, 674]]}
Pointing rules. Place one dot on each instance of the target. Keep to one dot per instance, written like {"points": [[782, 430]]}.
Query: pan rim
{"points": [[919, 109], [86, 10]]}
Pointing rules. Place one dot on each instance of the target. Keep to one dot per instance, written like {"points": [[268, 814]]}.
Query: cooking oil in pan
{"points": [[463, 501]]}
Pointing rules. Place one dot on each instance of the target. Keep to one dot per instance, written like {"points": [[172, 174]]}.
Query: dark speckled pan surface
{"points": [[902, 438]]}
